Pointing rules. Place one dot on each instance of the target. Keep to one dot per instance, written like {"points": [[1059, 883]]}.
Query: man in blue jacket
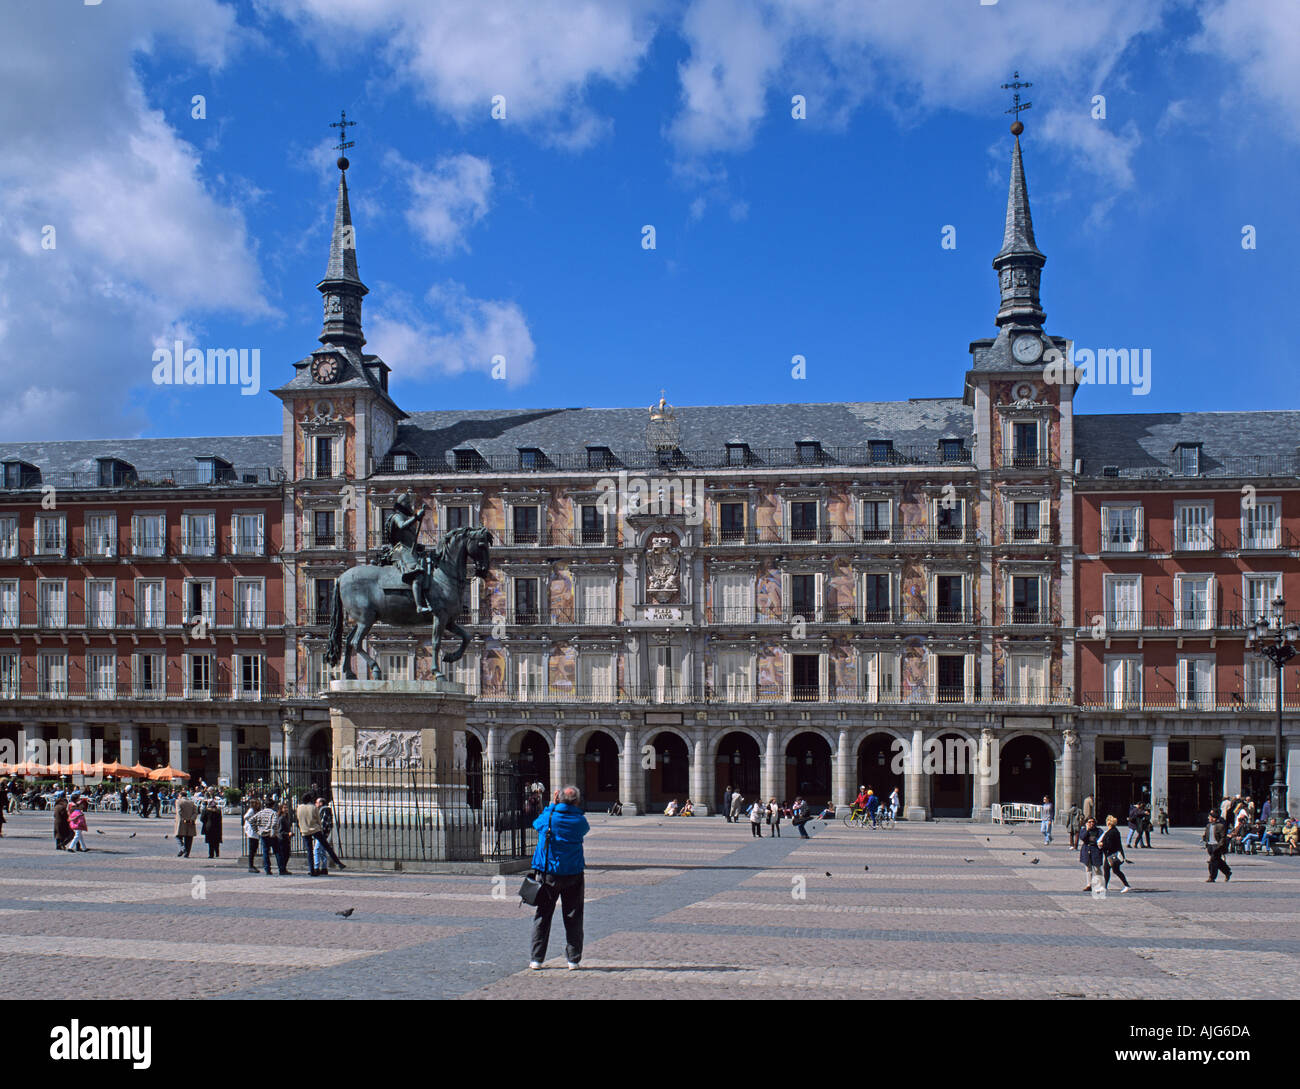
{"points": [[559, 865]]}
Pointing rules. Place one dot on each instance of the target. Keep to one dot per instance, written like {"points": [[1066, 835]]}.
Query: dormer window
{"points": [[213, 470], [738, 453], [401, 462], [952, 450], [808, 452], [466, 459], [113, 472], [599, 457], [880, 451], [530, 458], [1187, 456], [21, 474], [669, 456]]}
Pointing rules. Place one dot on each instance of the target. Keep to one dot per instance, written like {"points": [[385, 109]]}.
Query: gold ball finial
{"points": [[343, 163], [1017, 128]]}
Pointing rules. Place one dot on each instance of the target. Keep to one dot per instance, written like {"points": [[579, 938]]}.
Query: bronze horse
{"points": [[370, 593]]}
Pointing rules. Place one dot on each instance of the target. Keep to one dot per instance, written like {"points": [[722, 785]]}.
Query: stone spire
{"points": [[342, 287], [1019, 262]]}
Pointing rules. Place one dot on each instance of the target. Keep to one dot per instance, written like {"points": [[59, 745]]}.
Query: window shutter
{"points": [[819, 597], [787, 667], [1182, 682], [1105, 528], [932, 676], [871, 677], [968, 678], [823, 676], [1044, 519], [787, 610], [1139, 543]]}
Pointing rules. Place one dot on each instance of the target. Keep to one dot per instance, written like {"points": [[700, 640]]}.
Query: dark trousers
{"points": [[324, 841], [1108, 868], [756, 829], [283, 847], [268, 845], [802, 831], [570, 890], [186, 843], [254, 847], [1217, 864]]}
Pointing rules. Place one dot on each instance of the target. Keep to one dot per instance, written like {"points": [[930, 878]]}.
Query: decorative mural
{"points": [[767, 594], [840, 589], [562, 603]]}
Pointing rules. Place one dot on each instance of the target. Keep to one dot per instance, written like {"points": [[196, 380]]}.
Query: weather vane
{"points": [[1017, 106], [344, 143]]}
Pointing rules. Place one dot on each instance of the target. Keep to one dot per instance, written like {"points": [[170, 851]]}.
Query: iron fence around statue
{"points": [[386, 814]]}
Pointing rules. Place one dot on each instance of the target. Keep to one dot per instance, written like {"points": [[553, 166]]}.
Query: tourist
{"points": [[726, 803], [1134, 823], [1162, 818], [688, 810], [1046, 825], [309, 829], [77, 824], [1215, 838], [1073, 818], [266, 821], [800, 818], [210, 823], [671, 809], [62, 833], [250, 832], [1090, 851], [737, 806], [774, 817], [1291, 836], [1112, 853], [284, 837], [1144, 836], [186, 827], [559, 866], [894, 802], [860, 802], [873, 808], [756, 812], [325, 849], [827, 813]]}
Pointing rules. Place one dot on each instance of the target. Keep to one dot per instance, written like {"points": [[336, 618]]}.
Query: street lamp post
{"points": [[1275, 639]]}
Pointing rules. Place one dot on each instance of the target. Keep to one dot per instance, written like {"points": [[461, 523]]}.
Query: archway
{"points": [[533, 756], [670, 777], [600, 769], [1027, 771], [877, 761], [808, 770], [952, 761], [473, 770], [738, 765]]}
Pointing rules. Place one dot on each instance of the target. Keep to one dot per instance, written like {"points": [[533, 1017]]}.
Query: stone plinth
{"points": [[400, 788]]}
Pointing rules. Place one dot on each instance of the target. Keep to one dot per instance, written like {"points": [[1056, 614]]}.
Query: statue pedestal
{"points": [[400, 786]]}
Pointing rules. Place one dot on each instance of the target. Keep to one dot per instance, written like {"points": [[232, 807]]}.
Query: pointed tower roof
{"points": [[1019, 262], [342, 288]]}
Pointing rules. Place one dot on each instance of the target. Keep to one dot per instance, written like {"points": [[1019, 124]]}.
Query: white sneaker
{"points": [[574, 967], [535, 965], [1126, 888]]}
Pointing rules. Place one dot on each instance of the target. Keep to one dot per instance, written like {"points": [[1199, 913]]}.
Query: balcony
{"points": [[866, 695], [148, 546], [897, 534], [81, 691], [126, 617], [336, 538], [1027, 459], [1242, 467], [1029, 616], [199, 546], [1232, 703], [151, 479], [1028, 535]]}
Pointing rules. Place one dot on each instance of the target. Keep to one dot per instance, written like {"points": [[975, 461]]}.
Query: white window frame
{"points": [[256, 617], [1273, 578], [1032, 663], [1182, 619], [968, 674], [967, 607], [59, 619], [1196, 665], [936, 506], [1107, 519], [202, 543], [528, 670], [101, 541], [10, 604], [1009, 596], [39, 546], [1260, 683], [10, 674], [238, 545], [1131, 677], [466, 671], [1110, 614], [787, 504], [514, 505], [94, 617], [8, 536], [191, 657], [138, 538], [52, 687], [889, 519], [159, 689], [879, 673], [591, 690], [1189, 537], [208, 608], [588, 585], [739, 587], [94, 688], [734, 676]]}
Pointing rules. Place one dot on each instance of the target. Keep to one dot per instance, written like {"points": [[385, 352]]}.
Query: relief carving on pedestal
{"points": [[388, 749]]}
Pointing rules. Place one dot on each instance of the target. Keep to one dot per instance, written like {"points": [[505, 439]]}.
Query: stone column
{"points": [[282, 746], [561, 763], [841, 786], [1159, 773], [916, 784], [1231, 765], [986, 776], [703, 774], [1069, 793], [176, 745], [631, 779], [492, 750], [773, 768], [1087, 767], [78, 734], [128, 745], [1292, 776], [227, 748]]}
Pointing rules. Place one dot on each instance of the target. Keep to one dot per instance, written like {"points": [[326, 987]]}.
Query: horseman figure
{"points": [[412, 559]]}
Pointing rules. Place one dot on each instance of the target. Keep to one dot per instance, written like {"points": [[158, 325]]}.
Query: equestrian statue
{"points": [[406, 585]]}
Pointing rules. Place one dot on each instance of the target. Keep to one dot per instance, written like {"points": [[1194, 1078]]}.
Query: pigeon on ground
{"points": [[968, 860], [866, 868], [1024, 852], [131, 836], [346, 914], [987, 840], [1033, 862], [828, 873], [99, 831]]}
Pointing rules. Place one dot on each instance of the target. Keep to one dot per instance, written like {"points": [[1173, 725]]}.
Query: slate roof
{"points": [[567, 432], [1233, 443], [353, 375], [151, 457]]}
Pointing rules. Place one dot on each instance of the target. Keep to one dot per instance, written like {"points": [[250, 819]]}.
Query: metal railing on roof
{"points": [[1239, 465], [190, 476]]}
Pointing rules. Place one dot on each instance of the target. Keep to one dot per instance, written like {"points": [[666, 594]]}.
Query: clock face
{"points": [[1027, 348], [325, 368]]}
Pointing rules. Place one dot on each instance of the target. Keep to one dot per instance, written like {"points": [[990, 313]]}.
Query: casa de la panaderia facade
{"points": [[972, 599]]}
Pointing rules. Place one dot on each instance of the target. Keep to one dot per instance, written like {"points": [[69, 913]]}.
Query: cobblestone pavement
{"points": [[681, 908]]}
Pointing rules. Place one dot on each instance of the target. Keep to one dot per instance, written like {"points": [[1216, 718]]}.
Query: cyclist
{"points": [[873, 808], [859, 803]]}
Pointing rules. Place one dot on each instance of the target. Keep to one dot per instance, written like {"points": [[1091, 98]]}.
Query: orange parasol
{"points": [[29, 767], [120, 771], [142, 771], [167, 773]]}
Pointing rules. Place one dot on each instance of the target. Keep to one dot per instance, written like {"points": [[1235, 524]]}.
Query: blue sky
{"points": [[775, 237]]}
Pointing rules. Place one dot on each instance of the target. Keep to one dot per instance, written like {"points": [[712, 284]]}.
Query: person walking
{"points": [[1134, 822], [309, 829], [726, 803], [800, 818], [774, 817], [266, 822], [1112, 854], [1145, 837], [737, 806], [325, 850], [77, 823], [211, 825], [62, 832], [186, 827], [1215, 838], [559, 865], [1073, 818], [894, 802], [1090, 851], [1162, 818], [1046, 826], [756, 812]]}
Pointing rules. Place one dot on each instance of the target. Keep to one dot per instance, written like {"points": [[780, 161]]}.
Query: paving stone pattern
{"points": [[677, 908]]}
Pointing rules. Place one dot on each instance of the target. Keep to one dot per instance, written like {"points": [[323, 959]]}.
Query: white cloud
{"points": [[458, 54], [465, 334], [140, 239], [447, 200], [1261, 38]]}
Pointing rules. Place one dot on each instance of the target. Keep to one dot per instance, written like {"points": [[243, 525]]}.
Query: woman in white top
{"points": [[756, 812], [774, 814]]}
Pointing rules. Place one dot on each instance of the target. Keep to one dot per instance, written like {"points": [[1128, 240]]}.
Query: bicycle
{"points": [[859, 817]]}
